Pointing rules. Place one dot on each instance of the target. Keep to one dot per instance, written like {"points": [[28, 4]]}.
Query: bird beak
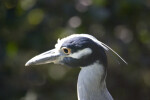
{"points": [[46, 57]]}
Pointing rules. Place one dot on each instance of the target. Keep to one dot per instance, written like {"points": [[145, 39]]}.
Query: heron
{"points": [[86, 52]]}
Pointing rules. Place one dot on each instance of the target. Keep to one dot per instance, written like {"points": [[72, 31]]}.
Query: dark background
{"points": [[30, 27]]}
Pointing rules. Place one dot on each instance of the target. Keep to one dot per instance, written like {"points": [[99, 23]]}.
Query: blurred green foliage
{"points": [[29, 27]]}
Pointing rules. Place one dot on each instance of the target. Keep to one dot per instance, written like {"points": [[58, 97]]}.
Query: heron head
{"points": [[77, 50]]}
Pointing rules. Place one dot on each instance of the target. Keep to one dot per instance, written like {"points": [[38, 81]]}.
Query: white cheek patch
{"points": [[81, 53]]}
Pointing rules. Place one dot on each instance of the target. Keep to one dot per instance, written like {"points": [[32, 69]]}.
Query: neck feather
{"points": [[91, 83]]}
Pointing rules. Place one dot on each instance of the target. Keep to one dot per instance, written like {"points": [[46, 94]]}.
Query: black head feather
{"points": [[79, 43]]}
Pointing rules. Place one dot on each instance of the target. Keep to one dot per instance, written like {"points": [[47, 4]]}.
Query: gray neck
{"points": [[91, 83]]}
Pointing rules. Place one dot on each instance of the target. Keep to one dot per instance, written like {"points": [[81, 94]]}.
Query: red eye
{"points": [[66, 50]]}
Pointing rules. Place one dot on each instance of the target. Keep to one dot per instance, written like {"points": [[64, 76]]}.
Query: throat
{"points": [[91, 83]]}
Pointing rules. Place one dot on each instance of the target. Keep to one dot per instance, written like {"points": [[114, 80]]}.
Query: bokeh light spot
{"points": [[27, 4], [35, 16], [11, 49], [86, 2], [144, 36], [146, 77], [82, 5], [74, 22], [30, 96], [123, 33], [81, 8]]}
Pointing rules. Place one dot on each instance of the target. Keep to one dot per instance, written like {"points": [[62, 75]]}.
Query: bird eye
{"points": [[66, 50]]}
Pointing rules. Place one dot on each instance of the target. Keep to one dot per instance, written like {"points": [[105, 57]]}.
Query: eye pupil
{"points": [[66, 50]]}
